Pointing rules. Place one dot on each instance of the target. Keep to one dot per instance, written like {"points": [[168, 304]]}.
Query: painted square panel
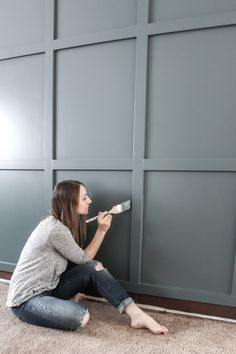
{"points": [[75, 17], [21, 22], [21, 209], [22, 108], [95, 101], [191, 102], [189, 230], [106, 189], [161, 10]]}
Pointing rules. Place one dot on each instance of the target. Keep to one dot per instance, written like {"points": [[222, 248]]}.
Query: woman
{"points": [[43, 287]]}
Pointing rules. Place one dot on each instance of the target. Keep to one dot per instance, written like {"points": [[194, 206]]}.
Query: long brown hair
{"points": [[65, 199]]}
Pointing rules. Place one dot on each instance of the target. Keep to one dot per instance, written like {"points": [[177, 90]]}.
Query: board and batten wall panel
{"points": [[21, 209], [95, 101], [22, 108], [84, 16], [136, 98], [105, 192], [171, 9], [191, 106], [198, 253], [21, 22]]}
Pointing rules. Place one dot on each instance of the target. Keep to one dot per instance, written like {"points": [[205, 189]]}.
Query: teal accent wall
{"points": [[136, 98]]}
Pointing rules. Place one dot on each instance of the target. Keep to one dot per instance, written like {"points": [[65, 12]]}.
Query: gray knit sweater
{"points": [[43, 259]]}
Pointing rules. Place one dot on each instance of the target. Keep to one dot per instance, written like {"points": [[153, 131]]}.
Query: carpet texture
{"points": [[109, 332]]}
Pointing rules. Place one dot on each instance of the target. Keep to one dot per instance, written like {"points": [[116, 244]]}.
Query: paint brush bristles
{"points": [[117, 209]]}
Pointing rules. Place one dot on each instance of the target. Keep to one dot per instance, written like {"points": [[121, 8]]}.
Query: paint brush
{"points": [[117, 209]]}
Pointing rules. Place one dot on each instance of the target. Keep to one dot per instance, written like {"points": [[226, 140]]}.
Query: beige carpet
{"points": [[109, 332]]}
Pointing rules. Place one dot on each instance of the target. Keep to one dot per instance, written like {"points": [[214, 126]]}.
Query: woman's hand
{"points": [[104, 221]]}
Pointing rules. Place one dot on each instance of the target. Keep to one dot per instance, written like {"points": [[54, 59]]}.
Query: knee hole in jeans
{"points": [[99, 266], [85, 319]]}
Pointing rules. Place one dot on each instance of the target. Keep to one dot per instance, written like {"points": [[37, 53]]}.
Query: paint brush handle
{"points": [[91, 219], [95, 217]]}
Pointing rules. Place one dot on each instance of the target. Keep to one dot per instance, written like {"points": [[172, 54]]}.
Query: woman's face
{"points": [[84, 201]]}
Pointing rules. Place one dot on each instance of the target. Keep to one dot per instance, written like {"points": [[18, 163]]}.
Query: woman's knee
{"points": [[99, 266], [95, 265]]}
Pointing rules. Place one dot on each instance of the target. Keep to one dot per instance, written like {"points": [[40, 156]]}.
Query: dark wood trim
{"points": [[186, 306], [5, 275], [174, 304]]}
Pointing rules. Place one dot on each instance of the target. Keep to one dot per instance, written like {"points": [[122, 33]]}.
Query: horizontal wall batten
{"points": [[7, 266], [109, 165], [180, 293], [22, 165], [161, 27], [193, 23], [21, 51], [211, 164], [97, 37]]}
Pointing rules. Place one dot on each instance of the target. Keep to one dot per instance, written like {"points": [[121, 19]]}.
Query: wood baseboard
{"points": [[5, 275], [174, 304], [187, 306]]}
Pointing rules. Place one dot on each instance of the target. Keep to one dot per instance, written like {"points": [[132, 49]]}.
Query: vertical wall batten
{"points": [[139, 142], [49, 100], [233, 286]]}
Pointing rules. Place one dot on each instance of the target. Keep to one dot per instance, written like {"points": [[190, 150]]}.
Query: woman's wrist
{"points": [[101, 231]]}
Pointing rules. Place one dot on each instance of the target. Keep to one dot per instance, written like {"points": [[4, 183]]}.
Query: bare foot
{"points": [[78, 297], [140, 319]]}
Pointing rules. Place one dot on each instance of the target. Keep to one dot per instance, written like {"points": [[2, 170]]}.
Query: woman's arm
{"points": [[61, 239], [104, 223]]}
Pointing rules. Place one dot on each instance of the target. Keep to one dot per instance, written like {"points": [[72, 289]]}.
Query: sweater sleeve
{"points": [[62, 240]]}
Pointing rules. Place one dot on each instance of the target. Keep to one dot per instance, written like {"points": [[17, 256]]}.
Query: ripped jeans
{"points": [[54, 309]]}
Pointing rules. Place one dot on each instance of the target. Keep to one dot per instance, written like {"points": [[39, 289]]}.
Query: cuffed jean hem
{"points": [[125, 303]]}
